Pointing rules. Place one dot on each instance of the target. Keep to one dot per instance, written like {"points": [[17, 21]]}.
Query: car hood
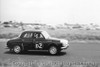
{"points": [[57, 39], [52, 38], [63, 41]]}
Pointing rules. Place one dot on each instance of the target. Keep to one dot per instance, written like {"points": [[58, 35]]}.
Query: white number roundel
{"points": [[39, 45]]}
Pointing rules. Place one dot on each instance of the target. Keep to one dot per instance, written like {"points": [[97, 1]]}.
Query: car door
{"points": [[39, 41], [28, 40]]}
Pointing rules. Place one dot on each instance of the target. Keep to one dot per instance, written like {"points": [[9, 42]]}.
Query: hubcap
{"points": [[53, 50], [17, 49]]}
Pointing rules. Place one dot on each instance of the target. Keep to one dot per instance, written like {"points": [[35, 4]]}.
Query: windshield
{"points": [[45, 34]]}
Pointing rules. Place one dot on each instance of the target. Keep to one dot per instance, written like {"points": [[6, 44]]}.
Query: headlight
{"points": [[64, 42]]}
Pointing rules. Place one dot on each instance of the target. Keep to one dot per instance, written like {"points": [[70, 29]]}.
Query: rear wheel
{"points": [[53, 50], [17, 49]]}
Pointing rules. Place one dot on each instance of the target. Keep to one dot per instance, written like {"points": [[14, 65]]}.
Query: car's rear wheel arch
{"points": [[18, 44], [17, 49]]}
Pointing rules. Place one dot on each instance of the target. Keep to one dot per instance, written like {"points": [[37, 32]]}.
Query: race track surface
{"points": [[78, 51]]}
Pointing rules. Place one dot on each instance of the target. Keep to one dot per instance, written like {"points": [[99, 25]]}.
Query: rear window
{"points": [[27, 35]]}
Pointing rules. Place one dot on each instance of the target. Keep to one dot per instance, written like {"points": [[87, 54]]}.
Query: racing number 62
{"points": [[39, 45]]}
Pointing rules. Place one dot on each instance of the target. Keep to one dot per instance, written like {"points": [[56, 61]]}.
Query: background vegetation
{"points": [[70, 34]]}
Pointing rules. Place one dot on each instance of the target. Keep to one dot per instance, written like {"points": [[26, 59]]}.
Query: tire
{"points": [[53, 50], [17, 49]]}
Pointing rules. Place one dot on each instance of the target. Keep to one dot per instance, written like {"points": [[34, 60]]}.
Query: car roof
{"points": [[34, 31]]}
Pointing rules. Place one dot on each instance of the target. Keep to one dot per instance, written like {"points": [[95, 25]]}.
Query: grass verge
{"points": [[19, 62]]}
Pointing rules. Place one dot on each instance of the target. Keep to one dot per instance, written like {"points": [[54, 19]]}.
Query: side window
{"points": [[38, 35], [41, 36], [28, 35]]}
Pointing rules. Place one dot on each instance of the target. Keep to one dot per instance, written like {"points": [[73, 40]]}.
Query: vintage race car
{"points": [[37, 40]]}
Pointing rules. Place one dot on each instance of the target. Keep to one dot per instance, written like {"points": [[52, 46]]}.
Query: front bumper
{"points": [[64, 47]]}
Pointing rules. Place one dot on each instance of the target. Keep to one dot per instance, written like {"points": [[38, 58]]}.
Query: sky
{"points": [[51, 11]]}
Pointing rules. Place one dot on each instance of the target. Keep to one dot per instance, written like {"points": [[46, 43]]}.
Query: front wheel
{"points": [[53, 50], [17, 49]]}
